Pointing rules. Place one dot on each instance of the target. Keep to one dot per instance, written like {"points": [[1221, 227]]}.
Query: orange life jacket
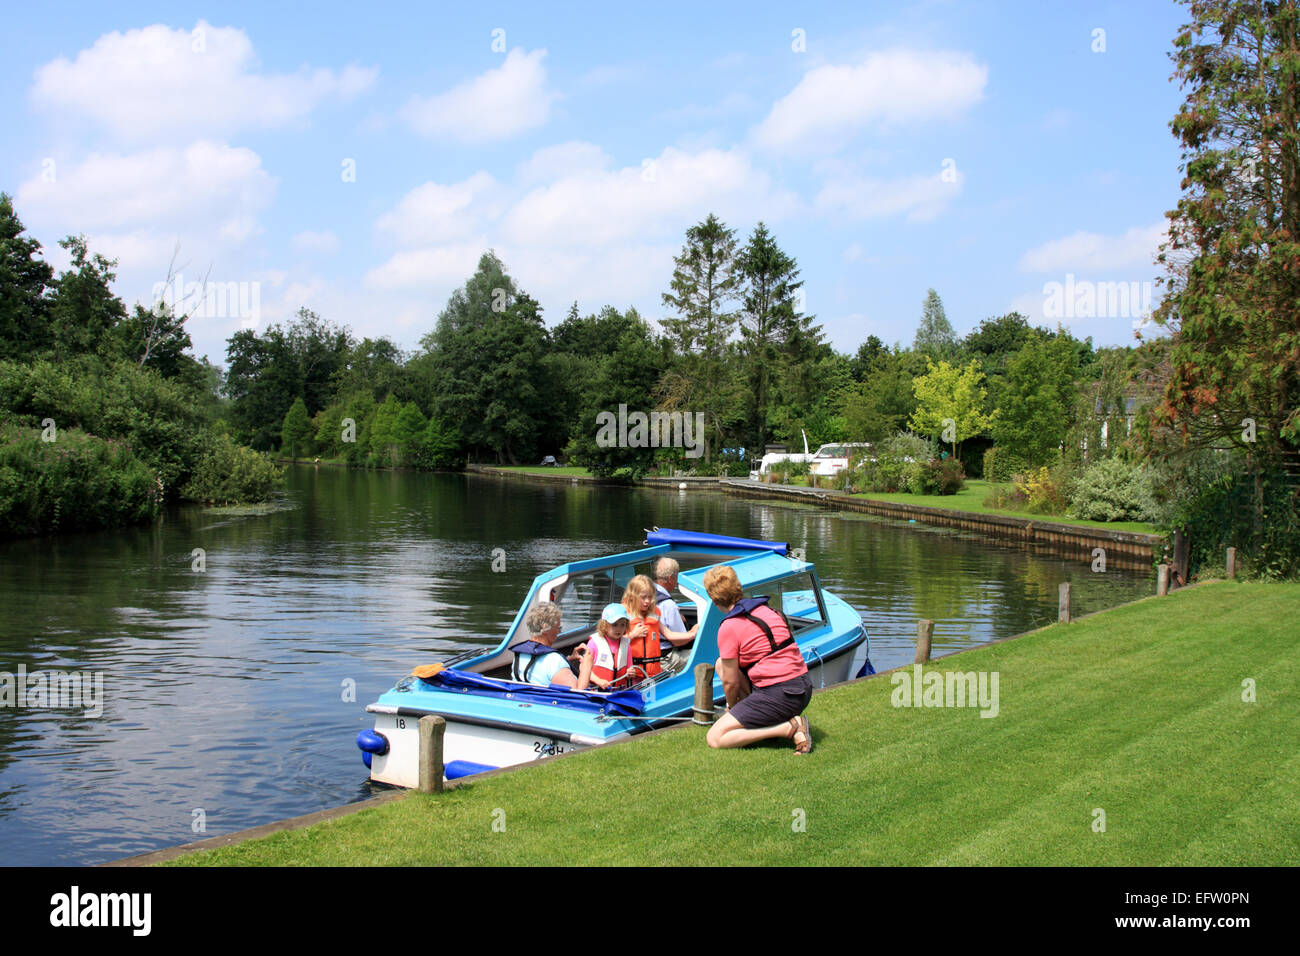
{"points": [[645, 650], [609, 664]]}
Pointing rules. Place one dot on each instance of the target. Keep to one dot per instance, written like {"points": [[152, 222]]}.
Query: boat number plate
{"points": [[548, 748]]}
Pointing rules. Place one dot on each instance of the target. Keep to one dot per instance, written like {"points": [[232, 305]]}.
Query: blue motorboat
{"points": [[494, 721]]}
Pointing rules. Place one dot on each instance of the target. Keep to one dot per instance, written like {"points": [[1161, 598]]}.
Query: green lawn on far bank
{"points": [[971, 498], [1137, 714], [569, 470]]}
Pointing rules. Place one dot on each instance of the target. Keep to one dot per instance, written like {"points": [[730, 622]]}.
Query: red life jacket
{"points": [[645, 650], [608, 664]]}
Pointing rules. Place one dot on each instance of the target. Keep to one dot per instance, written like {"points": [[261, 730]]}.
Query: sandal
{"points": [[801, 729]]}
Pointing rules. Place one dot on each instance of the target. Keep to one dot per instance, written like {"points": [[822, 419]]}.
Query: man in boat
{"points": [[665, 579], [762, 670], [536, 660]]}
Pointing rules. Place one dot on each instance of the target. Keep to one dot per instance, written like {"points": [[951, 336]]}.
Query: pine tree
{"points": [[704, 284], [767, 319], [934, 336]]}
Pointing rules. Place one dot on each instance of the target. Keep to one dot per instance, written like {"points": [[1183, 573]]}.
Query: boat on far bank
{"points": [[493, 721]]}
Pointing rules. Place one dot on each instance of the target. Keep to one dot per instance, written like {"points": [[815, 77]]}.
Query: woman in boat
{"points": [[645, 627], [536, 660], [608, 661], [762, 670]]}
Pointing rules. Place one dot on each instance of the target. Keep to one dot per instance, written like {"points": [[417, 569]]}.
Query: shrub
{"points": [[76, 483], [1000, 465], [1044, 490], [228, 473], [1113, 490]]}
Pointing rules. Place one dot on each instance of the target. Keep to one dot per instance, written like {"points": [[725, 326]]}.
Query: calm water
{"points": [[228, 694]]}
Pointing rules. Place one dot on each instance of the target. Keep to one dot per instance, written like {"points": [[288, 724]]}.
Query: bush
{"points": [[1000, 465], [1045, 490], [1113, 490], [935, 477], [228, 473], [75, 483]]}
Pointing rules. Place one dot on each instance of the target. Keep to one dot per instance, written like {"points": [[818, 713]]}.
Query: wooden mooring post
{"points": [[1063, 604], [702, 712], [1231, 564], [432, 729], [1162, 580], [924, 632]]}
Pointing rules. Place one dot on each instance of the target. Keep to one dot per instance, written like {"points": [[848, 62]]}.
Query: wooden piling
{"points": [[432, 729], [1232, 563], [702, 712], [924, 632], [1063, 603], [1162, 580]]}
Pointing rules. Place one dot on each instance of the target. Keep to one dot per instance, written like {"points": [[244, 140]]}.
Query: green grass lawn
{"points": [[540, 470], [971, 498], [1137, 712]]}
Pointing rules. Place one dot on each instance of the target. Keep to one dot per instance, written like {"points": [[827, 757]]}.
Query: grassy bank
{"points": [[1137, 712], [971, 498], [571, 471]]}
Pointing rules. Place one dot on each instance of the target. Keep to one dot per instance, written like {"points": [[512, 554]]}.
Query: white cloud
{"points": [[892, 87], [1090, 251], [440, 268], [565, 159], [493, 106], [209, 188], [435, 212], [324, 243], [921, 197], [157, 81], [663, 195]]}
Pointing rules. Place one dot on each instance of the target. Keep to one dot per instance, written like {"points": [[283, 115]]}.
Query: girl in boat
{"points": [[608, 660], [645, 628]]}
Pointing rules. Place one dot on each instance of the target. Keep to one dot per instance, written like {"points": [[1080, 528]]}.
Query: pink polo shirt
{"points": [[744, 641]]}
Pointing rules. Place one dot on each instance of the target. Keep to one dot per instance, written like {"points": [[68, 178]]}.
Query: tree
{"points": [[767, 318], [24, 278], [934, 336], [624, 373], [486, 364], [1037, 401], [950, 403], [1233, 256], [83, 309], [296, 434], [881, 404], [871, 355], [704, 283]]}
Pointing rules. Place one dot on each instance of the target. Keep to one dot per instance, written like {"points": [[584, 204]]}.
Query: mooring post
{"points": [[432, 729], [924, 631], [1162, 580], [702, 713], [1063, 604], [1232, 563]]}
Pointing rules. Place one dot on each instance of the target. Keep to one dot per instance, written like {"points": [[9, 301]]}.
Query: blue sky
{"points": [[982, 149]]}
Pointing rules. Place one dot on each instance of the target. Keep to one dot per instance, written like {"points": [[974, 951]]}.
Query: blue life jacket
{"points": [[744, 608], [535, 651]]}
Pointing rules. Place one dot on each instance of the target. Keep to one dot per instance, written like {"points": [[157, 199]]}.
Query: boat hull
{"points": [[494, 745]]}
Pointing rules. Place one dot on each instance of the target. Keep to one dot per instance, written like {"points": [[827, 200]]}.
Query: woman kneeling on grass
{"points": [[762, 671]]}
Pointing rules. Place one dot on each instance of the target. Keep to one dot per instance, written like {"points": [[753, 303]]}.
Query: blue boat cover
{"points": [[628, 703], [700, 539]]}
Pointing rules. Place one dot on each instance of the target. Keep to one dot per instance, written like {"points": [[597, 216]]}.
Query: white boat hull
{"points": [[492, 746]]}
